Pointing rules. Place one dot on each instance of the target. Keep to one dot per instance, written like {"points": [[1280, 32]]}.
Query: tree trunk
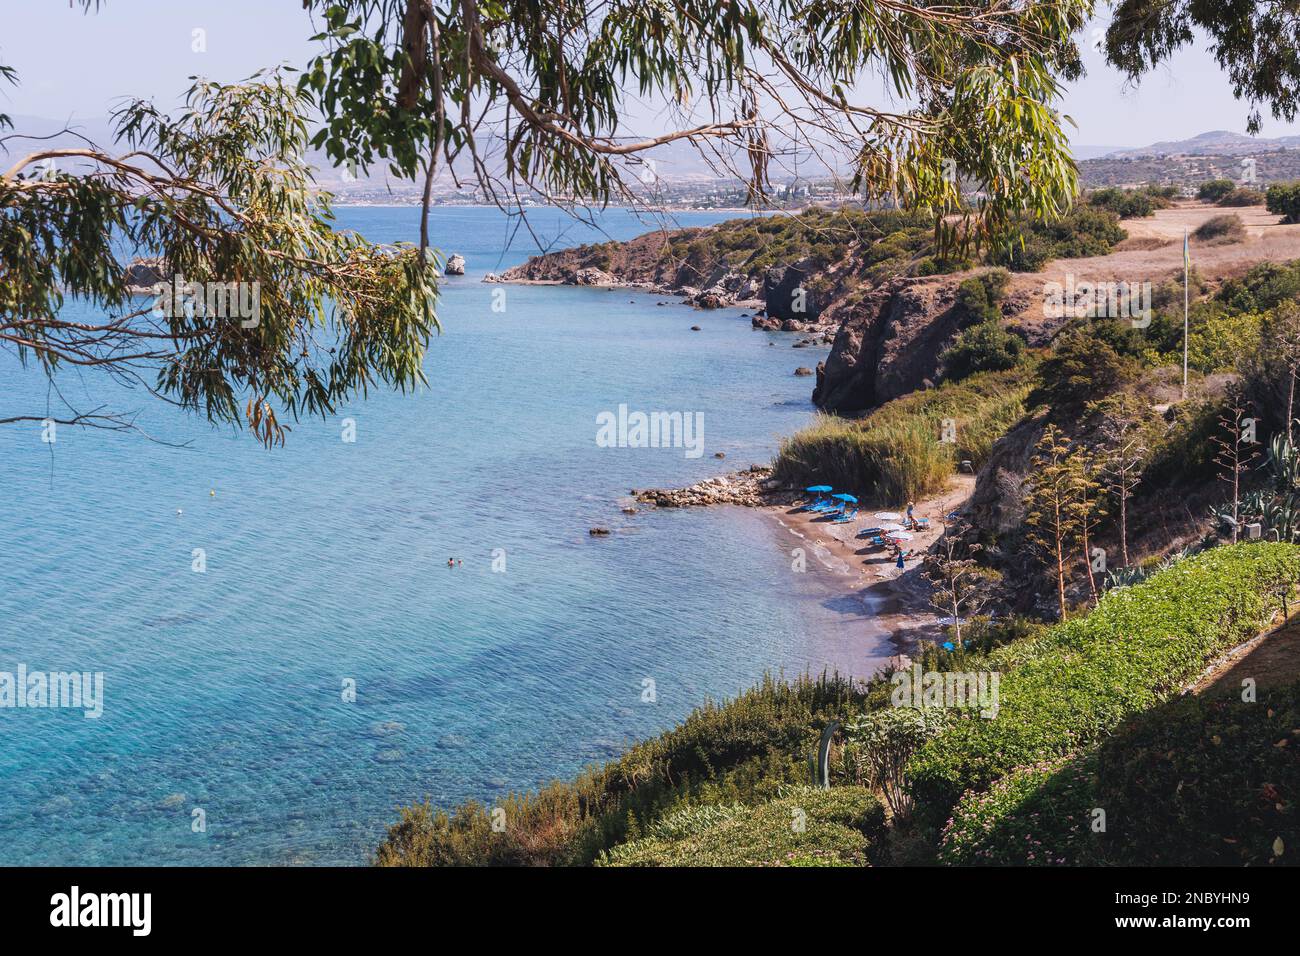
{"points": [[1087, 563], [956, 613]]}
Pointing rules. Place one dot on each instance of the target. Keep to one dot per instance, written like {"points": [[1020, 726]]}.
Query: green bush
{"points": [[980, 295], [986, 347], [1085, 676], [1081, 366], [893, 454], [1034, 816], [806, 827], [1212, 190], [1125, 203], [1086, 230], [1283, 199], [1263, 287], [879, 743], [1202, 781]]}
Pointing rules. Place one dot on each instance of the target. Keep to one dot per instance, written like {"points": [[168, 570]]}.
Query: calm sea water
{"points": [[326, 563]]}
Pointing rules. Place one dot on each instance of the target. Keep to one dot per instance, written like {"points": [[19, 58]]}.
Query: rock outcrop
{"points": [[750, 488], [455, 265], [143, 275], [891, 342]]}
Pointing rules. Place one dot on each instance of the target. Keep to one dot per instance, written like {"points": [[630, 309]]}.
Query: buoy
{"points": [[213, 492], [179, 511]]}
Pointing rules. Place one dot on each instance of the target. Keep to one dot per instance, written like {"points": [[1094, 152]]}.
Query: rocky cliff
{"points": [[646, 262], [890, 341]]}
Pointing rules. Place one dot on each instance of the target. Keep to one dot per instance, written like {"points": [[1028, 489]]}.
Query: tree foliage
{"points": [[522, 96], [222, 194], [1254, 41]]}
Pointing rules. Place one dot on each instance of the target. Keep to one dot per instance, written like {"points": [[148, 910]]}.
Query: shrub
{"points": [[893, 453], [882, 741], [1125, 203], [1087, 675], [979, 296], [1086, 230], [1263, 287], [986, 347], [1221, 229], [1202, 781], [1034, 816], [1081, 366], [1283, 199], [1242, 197], [806, 827], [1212, 190]]}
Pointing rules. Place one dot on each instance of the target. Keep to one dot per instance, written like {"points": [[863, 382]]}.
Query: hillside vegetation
{"points": [[730, 785]]}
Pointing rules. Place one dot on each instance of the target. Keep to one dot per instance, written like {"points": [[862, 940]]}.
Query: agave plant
{"points": [[1284, 463], [1136, 574]]}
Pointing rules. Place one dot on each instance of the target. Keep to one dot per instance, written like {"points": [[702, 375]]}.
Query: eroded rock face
{"points": [[144, 274], [592, 276], [889, 343], [997, 503], [456, 265]]}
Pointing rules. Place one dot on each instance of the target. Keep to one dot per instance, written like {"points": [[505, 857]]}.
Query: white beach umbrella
{"points": [[888, 515], [900, 536], [892, 527]]}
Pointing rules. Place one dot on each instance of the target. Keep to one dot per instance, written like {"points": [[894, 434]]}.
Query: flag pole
{"points": [[1187, 262]]}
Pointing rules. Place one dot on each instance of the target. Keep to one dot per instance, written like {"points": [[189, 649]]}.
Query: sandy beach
{"points": [[896, 601]]}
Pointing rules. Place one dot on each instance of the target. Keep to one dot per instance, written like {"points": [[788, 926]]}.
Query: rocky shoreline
{"points": [[752, 488]]}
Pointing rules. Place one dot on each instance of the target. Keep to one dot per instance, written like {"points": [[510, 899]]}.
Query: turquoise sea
{"points": [[326, 563]]}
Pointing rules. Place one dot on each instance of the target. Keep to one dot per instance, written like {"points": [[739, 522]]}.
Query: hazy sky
{"points": [[75, 65]]}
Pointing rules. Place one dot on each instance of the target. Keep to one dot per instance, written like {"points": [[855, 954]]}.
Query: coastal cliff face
{"points": [[891, 341]]}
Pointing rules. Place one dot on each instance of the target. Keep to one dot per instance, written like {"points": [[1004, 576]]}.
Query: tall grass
{"points": [[741, 751], [894, 454]]}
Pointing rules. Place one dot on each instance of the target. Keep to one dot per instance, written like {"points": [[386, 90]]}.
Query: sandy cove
{"points": [[898, 600]]}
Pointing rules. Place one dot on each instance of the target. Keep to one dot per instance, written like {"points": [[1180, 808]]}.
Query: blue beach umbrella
{"points": [[818, 489], [843, 497]]}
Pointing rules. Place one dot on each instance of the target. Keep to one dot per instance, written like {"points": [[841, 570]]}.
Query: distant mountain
{"points": [[1081, 151], [1219, 142]]}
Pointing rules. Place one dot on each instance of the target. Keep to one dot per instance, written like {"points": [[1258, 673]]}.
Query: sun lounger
{"points": [[847, 516]]}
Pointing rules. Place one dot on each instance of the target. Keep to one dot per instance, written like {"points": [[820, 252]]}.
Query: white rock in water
{"points": [[456, 265]]}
